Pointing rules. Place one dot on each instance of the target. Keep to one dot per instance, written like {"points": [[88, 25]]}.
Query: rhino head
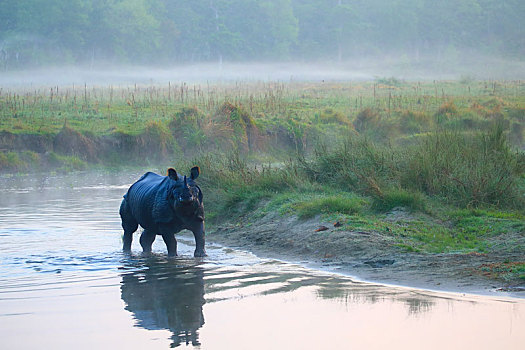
{"points": [[185, 196]]}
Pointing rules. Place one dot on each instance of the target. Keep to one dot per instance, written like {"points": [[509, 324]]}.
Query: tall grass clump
{"points": [[156, 142], [233, 173], [187, 127], [329, 115], [468, 169], [366, 119], [412, 122], [233, 185], [9, 161], [242, 129], [357, 164], [70, 142]]}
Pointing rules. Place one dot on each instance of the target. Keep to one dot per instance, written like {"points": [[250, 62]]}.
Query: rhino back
{"points": [[142, 195]]}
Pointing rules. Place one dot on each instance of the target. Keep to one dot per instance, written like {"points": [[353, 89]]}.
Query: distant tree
{"points": [[9, 17], [250, 29], [445, 24], [38, 32], [317, 28], [501, 25], [133, 29], [281, 30]]}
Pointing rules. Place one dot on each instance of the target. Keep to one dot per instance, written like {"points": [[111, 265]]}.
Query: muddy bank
{"points": [[370, 256], [188, 132], [88, 147]]}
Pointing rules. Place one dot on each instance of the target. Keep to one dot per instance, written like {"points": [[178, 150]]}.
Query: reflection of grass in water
{"points": [[418, 305], [355, 292]]}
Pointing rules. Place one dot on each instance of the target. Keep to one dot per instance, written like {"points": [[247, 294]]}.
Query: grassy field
{"points": [[449, 153]]}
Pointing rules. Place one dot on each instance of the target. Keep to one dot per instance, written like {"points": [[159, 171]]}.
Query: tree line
{"points": [[43, 32]]}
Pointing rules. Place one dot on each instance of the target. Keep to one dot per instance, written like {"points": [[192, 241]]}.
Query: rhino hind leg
{"points": [[146, 240], [129, 224]]}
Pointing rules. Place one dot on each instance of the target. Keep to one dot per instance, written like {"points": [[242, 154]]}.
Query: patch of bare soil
{"points": [[370, 256]]}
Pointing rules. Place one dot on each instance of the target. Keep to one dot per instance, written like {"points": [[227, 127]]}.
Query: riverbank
{"points": [[377, 256], [421, 177]]}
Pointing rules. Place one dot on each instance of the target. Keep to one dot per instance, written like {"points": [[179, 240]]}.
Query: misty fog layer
{"points": [[408, 34], [284, 72]]}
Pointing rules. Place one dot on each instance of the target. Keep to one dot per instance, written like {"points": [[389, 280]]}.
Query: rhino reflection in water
{"points": [[166, 296]]}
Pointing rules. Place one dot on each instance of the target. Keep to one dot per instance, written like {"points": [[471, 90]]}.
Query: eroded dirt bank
{"points": [[370, 256]]}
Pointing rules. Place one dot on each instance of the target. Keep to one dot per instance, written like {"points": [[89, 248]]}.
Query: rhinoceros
{"points": [[164, 205]]}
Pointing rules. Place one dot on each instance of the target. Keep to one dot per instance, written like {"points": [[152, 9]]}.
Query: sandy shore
{"points": [[367, 256]]}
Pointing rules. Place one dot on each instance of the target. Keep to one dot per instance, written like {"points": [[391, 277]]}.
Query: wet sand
{"points": [[367, 256]]}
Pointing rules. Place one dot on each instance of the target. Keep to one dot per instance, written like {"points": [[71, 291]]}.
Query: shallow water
{"points": [[65, 284]]}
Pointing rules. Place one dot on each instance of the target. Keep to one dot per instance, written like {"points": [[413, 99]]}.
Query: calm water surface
{"points": [[66, 285]]}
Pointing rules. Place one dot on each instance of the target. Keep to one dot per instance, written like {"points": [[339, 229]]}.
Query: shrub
{"points": [[470, 170]]}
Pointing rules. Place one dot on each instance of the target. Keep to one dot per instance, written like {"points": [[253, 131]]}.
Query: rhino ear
{"points": [[172, 174], [195, 171]]}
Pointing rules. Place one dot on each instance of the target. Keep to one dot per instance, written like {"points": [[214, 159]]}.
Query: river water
{"points": [[65, 284]]}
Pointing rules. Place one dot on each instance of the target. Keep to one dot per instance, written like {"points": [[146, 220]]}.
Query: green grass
{"points": [[435, 238], [129, 109], [66, 163], [391, 199], [9, 160], [447, 152], [312, 205], [424, 226]]}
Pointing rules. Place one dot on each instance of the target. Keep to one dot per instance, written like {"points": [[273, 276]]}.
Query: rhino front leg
{"points": [[198, 233], [146, 240], [171, 243]]}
